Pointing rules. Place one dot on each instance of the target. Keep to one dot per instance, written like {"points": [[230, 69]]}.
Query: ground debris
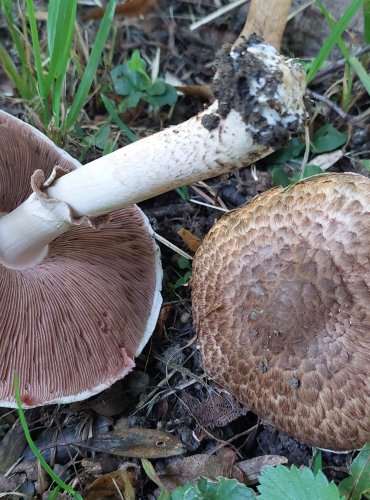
{"points": [[216, 410]]}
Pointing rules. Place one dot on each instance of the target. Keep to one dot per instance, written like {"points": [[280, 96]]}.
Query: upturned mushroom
{"points": [[73, 317], [281, 295], [259, 105]]}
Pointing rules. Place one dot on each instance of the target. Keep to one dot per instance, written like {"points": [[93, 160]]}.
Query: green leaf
{"points": [[169, 97], [133, 99], [157, 88], [317, 461], [206, 489], [365, 163], [291, 150], [183, 263], [309, 171], [183, 192], [126, 81], [283, 483], [136, 63], [359, 483], [327, 138], [183, 280], [279, 176]]}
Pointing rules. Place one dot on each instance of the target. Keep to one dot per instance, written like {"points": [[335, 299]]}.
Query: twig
{"points": [[217, 13], [173, 247], [353, 120], [197, 202], [336, 66]]}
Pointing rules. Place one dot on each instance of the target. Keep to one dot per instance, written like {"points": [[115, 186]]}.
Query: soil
{"points": [[168, 390]]}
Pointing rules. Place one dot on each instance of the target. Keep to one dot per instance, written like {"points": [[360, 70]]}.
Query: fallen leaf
{"points": [[121, 482], [216, 410], [132, 8], [192, 241], [327, 160], [252, 468], [137, 442], [190, 469], [203, 91], [161, 321]]}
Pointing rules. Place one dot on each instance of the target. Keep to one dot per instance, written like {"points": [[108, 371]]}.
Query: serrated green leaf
{"points": [[283, 483], [206, 489], [327, 138], [359, 483]]}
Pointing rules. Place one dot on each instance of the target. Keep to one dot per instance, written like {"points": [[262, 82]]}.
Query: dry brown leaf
{"points": [[216, 410], [132, 8], [161, 321], [203, 91], [108, 485], [192, 241], [137, 442], [189, 469], [252, 468]]}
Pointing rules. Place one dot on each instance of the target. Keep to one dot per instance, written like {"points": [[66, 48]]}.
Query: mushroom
{"points": [[259, 105], [281, 301], [73, 320], [81, 327]]}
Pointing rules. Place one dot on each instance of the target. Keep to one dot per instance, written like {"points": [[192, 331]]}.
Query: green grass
{"points": [[41, 77], [334, 37], [60, 484]]}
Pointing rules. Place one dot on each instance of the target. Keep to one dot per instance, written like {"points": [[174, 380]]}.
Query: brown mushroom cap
{"points": [[281, 301], [72, 325]]}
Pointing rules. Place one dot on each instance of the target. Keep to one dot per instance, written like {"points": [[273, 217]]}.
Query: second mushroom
{"points": [[281, 297]]}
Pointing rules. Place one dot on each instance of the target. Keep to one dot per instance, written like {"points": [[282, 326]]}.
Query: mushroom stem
{"points": [[259, 104]]}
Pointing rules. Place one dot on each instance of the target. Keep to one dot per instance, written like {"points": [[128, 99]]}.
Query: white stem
{"points": [[209, 144]]}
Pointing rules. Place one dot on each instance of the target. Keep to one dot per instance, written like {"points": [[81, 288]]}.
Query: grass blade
{"points": [[12, 73], [92, 66], [115, 117], [60, 33], [333, 38], [34, 448], [361, 72], [36, 45], [367, 21]]}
